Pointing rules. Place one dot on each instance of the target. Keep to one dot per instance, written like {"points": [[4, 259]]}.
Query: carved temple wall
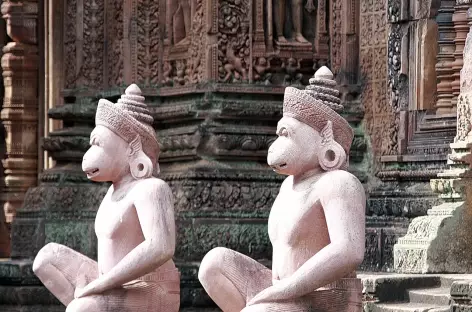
{"points": [[213, 73]]}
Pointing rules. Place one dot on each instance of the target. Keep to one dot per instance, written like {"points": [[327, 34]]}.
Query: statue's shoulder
{"points": [[340, 183], [153, 185]]}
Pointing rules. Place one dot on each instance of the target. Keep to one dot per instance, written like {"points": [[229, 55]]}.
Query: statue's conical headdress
{"points": [[317, 104], [129, 118]]}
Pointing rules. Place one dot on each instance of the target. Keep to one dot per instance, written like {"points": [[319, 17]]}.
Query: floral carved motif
{"points": [[92, 67], [148, 34], [233, 40]]}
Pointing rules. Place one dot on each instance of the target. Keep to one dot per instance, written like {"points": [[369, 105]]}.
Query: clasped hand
{"points": [[283, 290], [92, 288]]}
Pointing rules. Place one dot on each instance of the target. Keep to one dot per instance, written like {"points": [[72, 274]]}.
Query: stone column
{"points": [[440, 242], [445, 58], [20, 105], [460, 25]]}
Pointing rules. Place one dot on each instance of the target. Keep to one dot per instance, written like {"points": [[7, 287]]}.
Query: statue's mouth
{"points": [[92, 172], [279, 167]]}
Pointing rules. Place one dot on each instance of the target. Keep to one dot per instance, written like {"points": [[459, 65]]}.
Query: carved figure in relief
{"points": [[181, 72], [291, 67], [234, 67], [296, 19], [317, 222], [134, 224], [167, 74], [261, 67]]}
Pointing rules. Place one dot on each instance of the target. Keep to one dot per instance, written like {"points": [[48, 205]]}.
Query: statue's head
{"points": [[311, 133], [123, 140]]}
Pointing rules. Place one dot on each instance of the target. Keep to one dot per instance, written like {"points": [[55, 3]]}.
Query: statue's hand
{"points": [[91, 289], [280, 291]]}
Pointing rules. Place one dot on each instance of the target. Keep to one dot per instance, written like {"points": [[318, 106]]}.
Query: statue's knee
{"points": [[255, 308], [44, 255], [211, 263], [86, 304]]}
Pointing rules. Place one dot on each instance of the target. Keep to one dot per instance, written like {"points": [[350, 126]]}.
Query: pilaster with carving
{"points": [[19, 113]]}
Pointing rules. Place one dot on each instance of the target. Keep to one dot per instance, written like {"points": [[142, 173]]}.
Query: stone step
{"points": [[407, 307], [439, 296]]}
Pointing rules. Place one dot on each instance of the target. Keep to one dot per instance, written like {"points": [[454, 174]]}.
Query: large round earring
{"points": [[141, 167], [332, 156]]}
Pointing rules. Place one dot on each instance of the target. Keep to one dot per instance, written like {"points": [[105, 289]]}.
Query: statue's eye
{"points": [[283, 132]]}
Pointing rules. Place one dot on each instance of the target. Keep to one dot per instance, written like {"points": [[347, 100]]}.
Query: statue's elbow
{"points": [[165, 255], [357, 256]]}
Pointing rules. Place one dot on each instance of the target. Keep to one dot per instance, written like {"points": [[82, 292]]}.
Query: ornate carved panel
{"points": [[380, 120]]}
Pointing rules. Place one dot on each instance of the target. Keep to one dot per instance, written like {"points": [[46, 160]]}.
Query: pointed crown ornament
{"points": [[318, 104]]}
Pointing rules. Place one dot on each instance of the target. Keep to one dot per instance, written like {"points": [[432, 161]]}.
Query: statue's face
{"points": [[295, 150], [107, 158]]}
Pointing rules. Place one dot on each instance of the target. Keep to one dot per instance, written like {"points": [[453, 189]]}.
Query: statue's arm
{"points": [[343, 203], [154, 206]]}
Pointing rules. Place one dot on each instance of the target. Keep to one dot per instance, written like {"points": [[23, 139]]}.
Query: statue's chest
{"points": [[293, 217], [113, 218]]}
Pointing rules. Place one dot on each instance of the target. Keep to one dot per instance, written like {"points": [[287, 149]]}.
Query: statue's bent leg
{"points": [[344, 295], [280, 306], [231, 278], [62, 269], [135, 296]]}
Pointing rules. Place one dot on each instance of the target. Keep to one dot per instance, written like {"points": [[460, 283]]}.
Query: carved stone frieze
{"points": [[252, 144]]}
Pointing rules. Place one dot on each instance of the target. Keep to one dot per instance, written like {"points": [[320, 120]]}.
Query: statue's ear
{"points": [[139, 163], [331, 155]]}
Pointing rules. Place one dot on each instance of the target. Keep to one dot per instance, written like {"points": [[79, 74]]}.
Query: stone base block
{"points": [[439, 242]]}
